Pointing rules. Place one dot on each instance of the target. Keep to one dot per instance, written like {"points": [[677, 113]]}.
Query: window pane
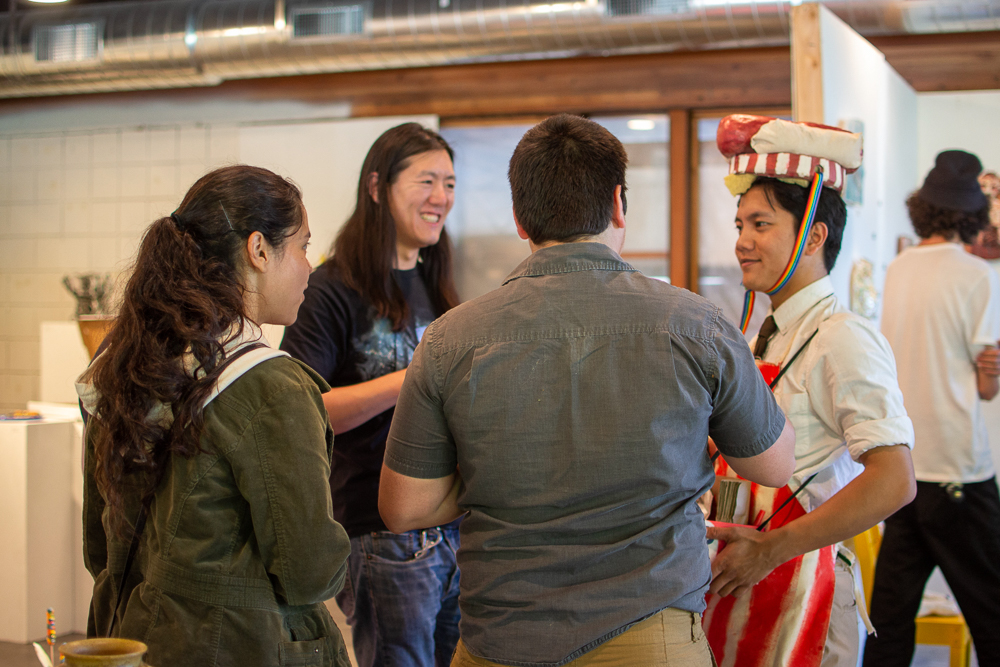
{"points": [[647, 234], [481, 224]]}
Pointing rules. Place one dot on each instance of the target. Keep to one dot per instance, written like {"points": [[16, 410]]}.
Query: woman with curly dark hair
{"points": [[208, 523]]}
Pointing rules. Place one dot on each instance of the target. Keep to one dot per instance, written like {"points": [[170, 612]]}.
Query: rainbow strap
{"points": [[50, 626], [812, 202]]}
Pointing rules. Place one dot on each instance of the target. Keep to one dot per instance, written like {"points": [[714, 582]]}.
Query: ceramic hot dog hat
{"points": [[762, 146]]}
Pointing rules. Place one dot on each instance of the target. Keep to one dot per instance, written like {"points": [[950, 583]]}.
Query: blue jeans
{"points": [[401, 598]]}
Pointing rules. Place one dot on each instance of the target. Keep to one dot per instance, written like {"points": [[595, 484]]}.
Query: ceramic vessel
{"points": [[103, 653], [93, 329]]}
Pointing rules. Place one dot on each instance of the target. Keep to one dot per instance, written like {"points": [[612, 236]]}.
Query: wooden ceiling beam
{"points": [[954, 61]]}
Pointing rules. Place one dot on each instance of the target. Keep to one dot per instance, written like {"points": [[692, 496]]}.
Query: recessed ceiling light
{"points": [[48, 2], [641, 124]]}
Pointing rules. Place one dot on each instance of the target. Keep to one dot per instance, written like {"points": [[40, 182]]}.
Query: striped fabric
{"points": [[784, 619], [788, 165]]}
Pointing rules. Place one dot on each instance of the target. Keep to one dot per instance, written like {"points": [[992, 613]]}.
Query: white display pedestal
{"points": [[37, 520], [83, 583]]}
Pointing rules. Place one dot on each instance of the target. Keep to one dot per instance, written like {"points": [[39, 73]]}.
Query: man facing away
{"points": [[838, 384], [942, 318], [567, 412]]}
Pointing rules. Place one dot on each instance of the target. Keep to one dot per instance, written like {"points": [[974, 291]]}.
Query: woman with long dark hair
{"points": [[208, 524], [364, 312]]}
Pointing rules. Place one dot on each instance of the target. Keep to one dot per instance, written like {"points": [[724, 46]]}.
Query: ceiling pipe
{"points": [[184, 43]]}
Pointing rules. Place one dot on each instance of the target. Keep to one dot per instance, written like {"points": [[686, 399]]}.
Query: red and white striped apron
{"points": [[784, 619]]}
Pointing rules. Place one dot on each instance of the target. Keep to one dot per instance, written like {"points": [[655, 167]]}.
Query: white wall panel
{"points": [[958, 120], [858, 84]]}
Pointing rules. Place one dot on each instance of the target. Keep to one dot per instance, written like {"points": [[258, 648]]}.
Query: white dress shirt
{"points": [[840, 394]]}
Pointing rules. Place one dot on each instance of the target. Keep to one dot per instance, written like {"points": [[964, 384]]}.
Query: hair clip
{"points": [[227, 217], [177, 221]]}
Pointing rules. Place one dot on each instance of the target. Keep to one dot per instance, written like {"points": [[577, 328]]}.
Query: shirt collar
{"points": [[931, 247], [569, 257], [801, 302]]}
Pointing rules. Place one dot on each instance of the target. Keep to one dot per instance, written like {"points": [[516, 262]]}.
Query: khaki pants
{"points": [[670, 638], [842, 639]]}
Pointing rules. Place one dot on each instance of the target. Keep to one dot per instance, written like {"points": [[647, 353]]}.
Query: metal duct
{"points": [[181, 43]]}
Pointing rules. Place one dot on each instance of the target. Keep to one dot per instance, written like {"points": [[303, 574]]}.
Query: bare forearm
{"points": [[773, 467], [406, 503], [988, 373], [885, 485], [987, 384], [351, 406], [446, 512]]}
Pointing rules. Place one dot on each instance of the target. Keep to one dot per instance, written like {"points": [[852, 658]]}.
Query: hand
{"points": [[747, 557], [988, 361]]}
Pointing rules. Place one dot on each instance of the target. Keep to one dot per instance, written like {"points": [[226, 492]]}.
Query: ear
{"points": [[520, 230], [618, 209], [373, 186], [817, 237], [259, 252]]}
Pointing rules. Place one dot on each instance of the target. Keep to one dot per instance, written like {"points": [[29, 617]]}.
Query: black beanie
{"points": [[953, 182]]}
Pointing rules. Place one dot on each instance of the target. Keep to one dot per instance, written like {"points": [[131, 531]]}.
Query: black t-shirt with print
{"points": [[338, 334]]}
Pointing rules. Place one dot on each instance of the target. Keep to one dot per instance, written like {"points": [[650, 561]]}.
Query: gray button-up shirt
{"points": [[577, 400]]}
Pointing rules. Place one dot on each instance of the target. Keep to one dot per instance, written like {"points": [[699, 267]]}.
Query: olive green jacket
{"points": [[240, 548]]}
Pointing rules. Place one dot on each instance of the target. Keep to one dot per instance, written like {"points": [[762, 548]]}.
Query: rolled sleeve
{"points": [[420, 444], [878, 433]]}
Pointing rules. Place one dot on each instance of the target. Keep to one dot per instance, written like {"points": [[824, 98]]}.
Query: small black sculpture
{"points": [[91, 292]]}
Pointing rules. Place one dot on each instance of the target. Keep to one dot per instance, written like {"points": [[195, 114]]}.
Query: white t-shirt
{"points": [[941, 308], [840, 394]]}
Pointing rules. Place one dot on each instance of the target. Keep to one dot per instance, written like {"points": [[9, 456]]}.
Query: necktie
{"points": [[767, 329]]}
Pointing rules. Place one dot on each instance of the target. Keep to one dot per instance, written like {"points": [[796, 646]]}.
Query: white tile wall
{"points": [[76, 215], [77, 202]]}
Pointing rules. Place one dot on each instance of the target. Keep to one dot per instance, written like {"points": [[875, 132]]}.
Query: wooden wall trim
{"points": [[737, 78], [807, 65], [637, 83], [681, 259]]}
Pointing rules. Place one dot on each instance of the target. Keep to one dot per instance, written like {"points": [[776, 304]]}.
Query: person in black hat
{"points": [[942, 318]]}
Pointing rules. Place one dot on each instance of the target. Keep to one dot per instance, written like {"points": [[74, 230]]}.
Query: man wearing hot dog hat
{"points": [[784, 593], [942, 318]]}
